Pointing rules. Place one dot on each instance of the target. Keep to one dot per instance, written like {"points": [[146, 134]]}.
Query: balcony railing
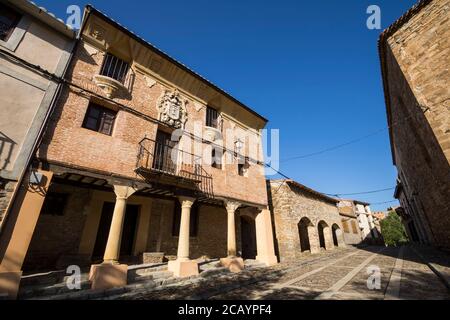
{"points": [[162, 159]]}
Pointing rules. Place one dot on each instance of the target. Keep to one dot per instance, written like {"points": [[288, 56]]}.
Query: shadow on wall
{"points": [[428, 169], [7, 146]]}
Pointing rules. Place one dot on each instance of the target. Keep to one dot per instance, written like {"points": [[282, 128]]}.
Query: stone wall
{"points": [[289, 205], [417, 78], [351, 231]]}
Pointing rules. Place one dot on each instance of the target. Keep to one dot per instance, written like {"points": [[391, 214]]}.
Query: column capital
{"points": [[231, 205], [186, 202], [124, 192]]}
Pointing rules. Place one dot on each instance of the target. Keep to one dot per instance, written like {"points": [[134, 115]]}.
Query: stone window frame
{"points": [[18, 33]]}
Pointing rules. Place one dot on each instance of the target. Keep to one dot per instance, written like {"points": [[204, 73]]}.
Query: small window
{"points": [[54, 204], [99, 118], [8, 21], [212, 117], [115, 68], [216, 161], [193, 223], [243, 166], [354, 228], [345, 226]]}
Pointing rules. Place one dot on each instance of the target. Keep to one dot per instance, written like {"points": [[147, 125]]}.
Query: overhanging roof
{"points": [[43, 15], [309, 190]]}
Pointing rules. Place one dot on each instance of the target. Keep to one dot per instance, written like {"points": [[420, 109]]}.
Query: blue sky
{"points": [[310, 67]]}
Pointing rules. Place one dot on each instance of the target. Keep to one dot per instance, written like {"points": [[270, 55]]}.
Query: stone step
{"points": [[155, 276], [50, 290]]}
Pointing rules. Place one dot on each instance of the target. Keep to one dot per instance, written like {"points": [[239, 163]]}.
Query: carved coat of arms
{"points": [[172, 109]]}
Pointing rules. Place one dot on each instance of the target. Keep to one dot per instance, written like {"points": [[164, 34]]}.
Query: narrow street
{"points": [[342, 274]]}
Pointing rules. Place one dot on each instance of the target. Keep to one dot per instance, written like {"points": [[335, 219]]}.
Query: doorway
{"points": [[162, 158], [304, 227], [336, 232], [322, 227], [248, 237], [128, 231]]}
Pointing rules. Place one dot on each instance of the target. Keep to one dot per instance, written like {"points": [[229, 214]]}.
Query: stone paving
{"points": [[340, 274]]}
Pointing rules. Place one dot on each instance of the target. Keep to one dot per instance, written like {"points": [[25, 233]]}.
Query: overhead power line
{"points": [[357, 193], [341, 145], [384, 202]]}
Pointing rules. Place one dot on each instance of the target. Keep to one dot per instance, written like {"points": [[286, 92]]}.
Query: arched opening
{"points": [[304, 234], [336, 232], [321, 228], [248, 237]]}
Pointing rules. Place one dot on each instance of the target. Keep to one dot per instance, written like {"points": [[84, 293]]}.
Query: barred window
{"points": [[8, 21], [212, 117], [115, 68]]}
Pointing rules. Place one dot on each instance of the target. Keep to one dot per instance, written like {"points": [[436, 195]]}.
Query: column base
{"points": [[9, 284], [234, 264], [268, 260], [183, 269], [106, 275]]}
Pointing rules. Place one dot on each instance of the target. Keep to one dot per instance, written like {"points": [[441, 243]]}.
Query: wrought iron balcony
{"points": [[161, 162]]}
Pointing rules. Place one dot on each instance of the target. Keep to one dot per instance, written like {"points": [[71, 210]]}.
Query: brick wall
{"points": [[418, 77], [211, 239], [57, 236], [67, 142]]}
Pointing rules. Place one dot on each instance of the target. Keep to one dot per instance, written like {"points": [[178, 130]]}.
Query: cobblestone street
{"points": [[339, 274]]}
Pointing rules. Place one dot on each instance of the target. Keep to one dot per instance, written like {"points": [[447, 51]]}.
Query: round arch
{"points": [[322, 230], [305, 229], [337, 234]]}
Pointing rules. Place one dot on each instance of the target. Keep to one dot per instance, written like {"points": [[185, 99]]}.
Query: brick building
{"points": [[414, 54], [305, 221], [142, 156]]}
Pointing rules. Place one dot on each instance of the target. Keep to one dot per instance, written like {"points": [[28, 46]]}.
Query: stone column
{"points": [[232, 262], [182, 266], [110, 273], [183, 239], [18, 230], [264, 238], [112, 250], [231, 206]]}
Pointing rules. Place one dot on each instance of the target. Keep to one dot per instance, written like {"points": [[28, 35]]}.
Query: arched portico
{"points": [[338, 240], [325, 238], [305, 230]]}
